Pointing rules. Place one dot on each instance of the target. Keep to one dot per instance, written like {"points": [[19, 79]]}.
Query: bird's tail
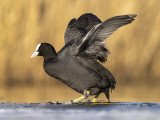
{"points": [[106, 92]]}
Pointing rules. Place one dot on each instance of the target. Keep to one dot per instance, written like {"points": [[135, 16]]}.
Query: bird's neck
{"points": [[51, 58]]}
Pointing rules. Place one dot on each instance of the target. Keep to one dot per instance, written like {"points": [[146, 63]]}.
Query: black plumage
{"points": [[76, 63]]}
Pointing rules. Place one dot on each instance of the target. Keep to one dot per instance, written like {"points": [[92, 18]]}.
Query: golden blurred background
{"points": [[134, 58]]}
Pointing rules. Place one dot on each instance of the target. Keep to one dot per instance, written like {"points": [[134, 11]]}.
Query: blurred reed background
{"points": [[134, 58]]}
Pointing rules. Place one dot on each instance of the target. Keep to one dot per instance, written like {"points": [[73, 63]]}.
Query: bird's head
{"points": [[46, 50]]}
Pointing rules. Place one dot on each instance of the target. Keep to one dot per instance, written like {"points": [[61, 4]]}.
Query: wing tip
{"points": [[132, 16]]}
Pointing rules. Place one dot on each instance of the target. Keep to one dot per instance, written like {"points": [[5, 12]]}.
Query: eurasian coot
{"points": [[76, 64]]}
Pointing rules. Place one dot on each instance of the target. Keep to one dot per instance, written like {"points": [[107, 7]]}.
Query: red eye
{"points": [[40, 48]]}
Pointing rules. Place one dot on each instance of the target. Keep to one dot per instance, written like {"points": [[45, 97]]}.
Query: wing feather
{"points": [[77, 28], [95, 38]]}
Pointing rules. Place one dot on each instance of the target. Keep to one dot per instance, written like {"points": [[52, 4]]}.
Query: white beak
{"points": [[34, 54]]}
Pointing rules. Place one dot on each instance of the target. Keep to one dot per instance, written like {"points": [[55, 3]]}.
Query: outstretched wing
{"points": [[93, 43], [77, 28]]}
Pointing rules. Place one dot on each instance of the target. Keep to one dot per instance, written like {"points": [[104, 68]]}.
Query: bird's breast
{"points": [[73, 74]]}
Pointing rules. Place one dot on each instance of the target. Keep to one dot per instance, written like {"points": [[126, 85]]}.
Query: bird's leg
{"points": [[86, 94], [95, 98], [82, 97], [78, 99]]}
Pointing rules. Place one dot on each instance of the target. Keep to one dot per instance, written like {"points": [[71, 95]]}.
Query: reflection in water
{"points": [[47, 93]]}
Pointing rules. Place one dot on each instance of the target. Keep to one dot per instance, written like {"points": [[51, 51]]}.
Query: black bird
{"points": [[76, 64]]}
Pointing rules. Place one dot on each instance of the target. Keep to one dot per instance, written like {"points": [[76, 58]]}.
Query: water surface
{"points": [[46, 111]]}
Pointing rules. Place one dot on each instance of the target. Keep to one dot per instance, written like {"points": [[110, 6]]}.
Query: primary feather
{"points": [[93, 44]]}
